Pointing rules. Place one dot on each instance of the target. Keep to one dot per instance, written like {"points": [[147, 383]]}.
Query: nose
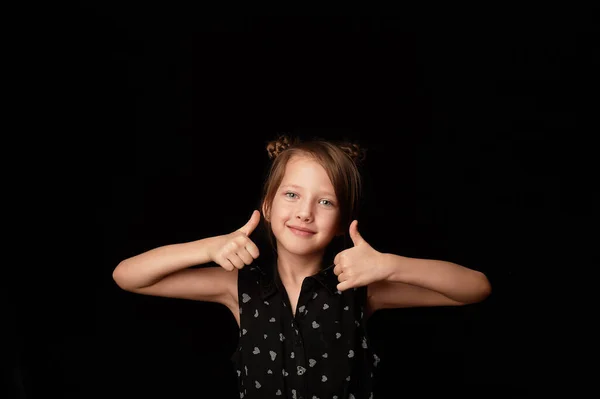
{"points": [[304, 214], [304, 218]]}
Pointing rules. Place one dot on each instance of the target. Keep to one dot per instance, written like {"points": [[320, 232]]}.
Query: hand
{"points": [[235, 250], [360, 265]]}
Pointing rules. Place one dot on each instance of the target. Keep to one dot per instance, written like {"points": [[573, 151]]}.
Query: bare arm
{"points": [[148, 268], [454, 281], [165, 271], [398, 281], [412, 282]]}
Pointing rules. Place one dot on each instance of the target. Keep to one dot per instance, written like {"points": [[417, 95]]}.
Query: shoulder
{"points": [[249, 277], [250, 272]]}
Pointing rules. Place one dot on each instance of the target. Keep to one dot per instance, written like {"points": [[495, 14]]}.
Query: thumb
{"points": [[249, 227], [354, 234]]}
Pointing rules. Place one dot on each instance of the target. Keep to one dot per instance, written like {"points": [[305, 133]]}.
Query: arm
{"points": [[412, 282], [150, 267], [395, 281], [164, 271]]}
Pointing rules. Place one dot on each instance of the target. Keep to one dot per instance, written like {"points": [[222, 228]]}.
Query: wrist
{"points": [[392, 266], [210, 248], [202, 251]]}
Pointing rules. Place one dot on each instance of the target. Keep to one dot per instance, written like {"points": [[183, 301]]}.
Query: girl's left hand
{"points": [[360, 265]]}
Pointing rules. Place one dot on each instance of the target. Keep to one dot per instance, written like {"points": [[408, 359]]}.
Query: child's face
{"points": [[305, 199]]}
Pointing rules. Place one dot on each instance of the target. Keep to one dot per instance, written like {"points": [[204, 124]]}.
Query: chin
{"points": [[300, 249]]}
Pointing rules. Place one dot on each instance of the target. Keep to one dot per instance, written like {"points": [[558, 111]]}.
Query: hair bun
{"points": [[354, 151], [276, 147]]}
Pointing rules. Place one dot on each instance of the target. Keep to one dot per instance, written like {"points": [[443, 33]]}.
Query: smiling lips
{"points": [[300, 231]]}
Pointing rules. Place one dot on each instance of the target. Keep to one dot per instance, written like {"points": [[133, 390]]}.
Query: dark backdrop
{"points": [[166, 112]]}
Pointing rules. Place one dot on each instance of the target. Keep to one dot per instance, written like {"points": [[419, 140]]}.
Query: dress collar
{"points": [[271, 282]]}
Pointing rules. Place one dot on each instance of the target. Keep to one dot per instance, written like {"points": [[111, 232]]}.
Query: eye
{"points": [[290, 194], [326, 202]]}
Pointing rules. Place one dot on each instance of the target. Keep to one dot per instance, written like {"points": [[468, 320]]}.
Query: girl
{"points": [[302, 308]]}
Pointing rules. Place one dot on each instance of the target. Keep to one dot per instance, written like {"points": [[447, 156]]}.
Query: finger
{"points": [[342, 277], [337, 270], [338, 259], [245, 256], [354, 234], [249, 227], [226, 264], [252, 249], [236, 261], [344, 286]]}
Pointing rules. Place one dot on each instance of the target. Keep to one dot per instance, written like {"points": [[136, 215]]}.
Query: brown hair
{"points": [[340, 160]]}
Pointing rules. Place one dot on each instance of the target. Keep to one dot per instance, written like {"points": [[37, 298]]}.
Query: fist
{"points": [[236, 250]]}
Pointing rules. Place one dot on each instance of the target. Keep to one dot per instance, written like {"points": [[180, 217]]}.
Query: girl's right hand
{"points": [[235, 250]]}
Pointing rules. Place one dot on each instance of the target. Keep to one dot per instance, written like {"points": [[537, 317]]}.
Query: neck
{"points": [[295, 268]]}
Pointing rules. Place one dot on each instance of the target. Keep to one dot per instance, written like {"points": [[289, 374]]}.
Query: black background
{"points": [[161, 116]]}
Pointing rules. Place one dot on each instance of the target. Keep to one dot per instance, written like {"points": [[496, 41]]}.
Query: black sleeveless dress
{"points": [[323, 352]]}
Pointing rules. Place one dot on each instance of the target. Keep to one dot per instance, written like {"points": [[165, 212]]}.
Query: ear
{"points": [[266, 212]]}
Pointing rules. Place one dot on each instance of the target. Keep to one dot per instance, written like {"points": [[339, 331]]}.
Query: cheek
{"points": [[330, 221], [279, 210]]}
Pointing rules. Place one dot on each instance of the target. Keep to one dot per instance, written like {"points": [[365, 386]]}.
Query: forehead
{"points": [[305, 169]]}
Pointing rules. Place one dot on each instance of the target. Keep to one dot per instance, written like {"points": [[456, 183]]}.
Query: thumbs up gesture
{"points": [[360, 265], [235, 250]]}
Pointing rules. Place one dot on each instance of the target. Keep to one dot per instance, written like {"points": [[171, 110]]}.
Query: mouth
{"points": [[301, 231]]}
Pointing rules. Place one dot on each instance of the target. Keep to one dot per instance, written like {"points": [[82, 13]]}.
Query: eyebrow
{"points": [[295, 186]]}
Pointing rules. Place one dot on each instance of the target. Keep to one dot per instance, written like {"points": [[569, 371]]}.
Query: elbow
{"points": [[119, 278], [479, 290], [483, 289], [127, 278]]}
